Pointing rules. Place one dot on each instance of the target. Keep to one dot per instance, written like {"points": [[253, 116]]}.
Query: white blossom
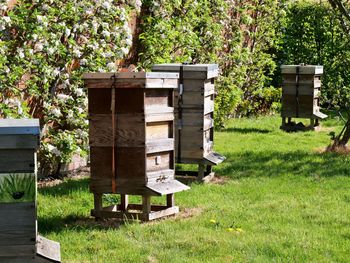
{"points": [[56, 112], [106, 33], [106, 5], [111, 66], [38, 47], [67, 32], [52, 149], [63, 97], [125, 50], [83, 62], [20, 52], [79, 92]]}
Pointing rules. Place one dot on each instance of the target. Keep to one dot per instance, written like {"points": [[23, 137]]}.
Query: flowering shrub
{"points": [[45, 46]]}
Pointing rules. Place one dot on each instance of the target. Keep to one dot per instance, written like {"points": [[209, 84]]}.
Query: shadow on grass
{"points": [[66, 187], [246, 130], [57, 224], [273, 164]]}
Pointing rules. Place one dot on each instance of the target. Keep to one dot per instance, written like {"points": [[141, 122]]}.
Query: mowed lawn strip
{"points": [[279, 199]]}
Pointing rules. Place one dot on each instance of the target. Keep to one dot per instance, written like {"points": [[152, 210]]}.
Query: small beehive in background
{"points": [[131, 135], [19, 241], [301, 95], [194, 109]]}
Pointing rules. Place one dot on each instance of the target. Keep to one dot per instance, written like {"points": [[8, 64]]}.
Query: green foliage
{"points": [[238, 35], [17, 188], [45, 46], [312, 34]]}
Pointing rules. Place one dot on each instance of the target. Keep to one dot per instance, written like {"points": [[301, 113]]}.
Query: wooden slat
{"points": [[129, 75], [17, 227], [157, 117], [48, 249], [158, 130], [100, 101], [130, 131], [159, 161], [307, 69], [20, 126], [19, 141], [12, 161], [208, 107], [159, 176], [167, 187], [17, 250], [163, 145]]}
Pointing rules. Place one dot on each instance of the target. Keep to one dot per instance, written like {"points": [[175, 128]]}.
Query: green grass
{"points": [[291, 201], [16, 188]]}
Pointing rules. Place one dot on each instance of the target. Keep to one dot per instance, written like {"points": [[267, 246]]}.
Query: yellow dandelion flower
{"points": [[213, 221], [239, 229], [230, 229]]}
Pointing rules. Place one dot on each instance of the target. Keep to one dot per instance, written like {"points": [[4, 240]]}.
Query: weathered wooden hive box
{"points": [[301, 94], [19, 241], [194, 109], [131, 120]]}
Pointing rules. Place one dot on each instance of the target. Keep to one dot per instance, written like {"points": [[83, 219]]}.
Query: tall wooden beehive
{"points": [[132, 140], [195, 116], [300, 95], [19, 240]]}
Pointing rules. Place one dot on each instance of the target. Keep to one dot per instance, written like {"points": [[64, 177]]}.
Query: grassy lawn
{"points": [[291, 202]]}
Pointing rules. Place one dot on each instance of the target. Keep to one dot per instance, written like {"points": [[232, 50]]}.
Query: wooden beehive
{"points": [[132, 140], [19, 241], [300, 96], [195, 117]]}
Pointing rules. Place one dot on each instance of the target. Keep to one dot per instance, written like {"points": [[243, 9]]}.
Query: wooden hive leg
{"points": [[124, 202], [312, 123], [170, 200], [97, 205], [317, 122], [289, 120], [201, 168], [283, 121], [146, 207]]}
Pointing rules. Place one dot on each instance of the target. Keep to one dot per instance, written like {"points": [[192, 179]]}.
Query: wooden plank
{"points": [[307, 69], [17, 225], [160, 176], [159, 130], [129, 75], [19, 141], [302, 90], [162, 145], [13, 161], [100, 101], [17, 251], [159, 110], [20, 126], [158, 98], [157, 117], [167, 187], [159, 161], [302, 79], [130, 130], [48, 249], [208, 106]]}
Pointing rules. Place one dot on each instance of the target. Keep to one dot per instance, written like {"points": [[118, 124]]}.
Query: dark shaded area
{"points": [[246, 130], [273, 164]]}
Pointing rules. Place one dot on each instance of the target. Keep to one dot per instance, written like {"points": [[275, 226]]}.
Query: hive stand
{"points": [[132, 142], [194, 108], [300, 97], [19, 240]]}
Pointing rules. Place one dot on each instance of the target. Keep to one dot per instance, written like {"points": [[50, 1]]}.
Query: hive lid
{"points": [[167, 187], [19, 126], [307, 69], [212, 70], [214, 158], [131, 75]]}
